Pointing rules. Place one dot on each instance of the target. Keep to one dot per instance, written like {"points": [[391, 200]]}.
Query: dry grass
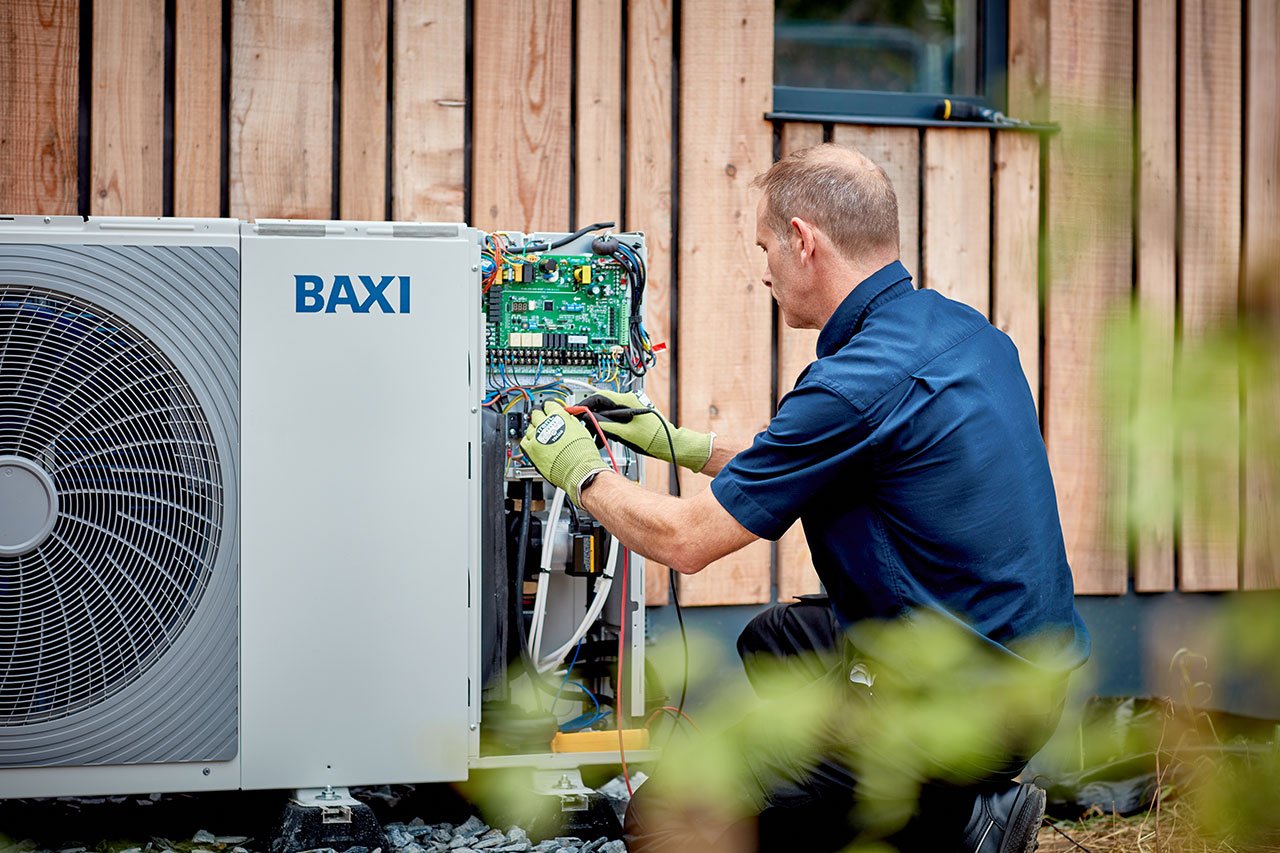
{"points": [[1171, 830]]}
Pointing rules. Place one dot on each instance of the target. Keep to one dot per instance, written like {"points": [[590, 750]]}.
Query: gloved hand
{"points": [[561, 448], [646, 434]]}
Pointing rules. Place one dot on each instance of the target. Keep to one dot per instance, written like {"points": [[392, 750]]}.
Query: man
{"points": [[911, 451]]}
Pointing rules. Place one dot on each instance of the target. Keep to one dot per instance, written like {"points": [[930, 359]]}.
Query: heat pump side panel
{"points": [[360, 524]]}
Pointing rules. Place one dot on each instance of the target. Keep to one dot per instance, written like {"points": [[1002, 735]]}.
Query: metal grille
{"points": [[111, 421]]}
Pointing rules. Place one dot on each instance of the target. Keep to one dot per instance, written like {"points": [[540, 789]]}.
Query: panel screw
{"points": [[474, 410], [206, 771], [473, 727], [48, 219], [475, 267]]}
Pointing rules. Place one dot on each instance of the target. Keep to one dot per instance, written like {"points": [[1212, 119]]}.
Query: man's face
{"points": [[781, 271]]}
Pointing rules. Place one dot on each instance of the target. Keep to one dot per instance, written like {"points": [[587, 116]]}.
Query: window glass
{"points": [[922, 46]]}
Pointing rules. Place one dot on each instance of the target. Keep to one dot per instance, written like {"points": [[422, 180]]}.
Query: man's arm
{"points": [[722, 451], [684, 533]]}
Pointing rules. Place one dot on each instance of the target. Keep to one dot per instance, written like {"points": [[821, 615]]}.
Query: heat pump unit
{"points": [[242, 541]]}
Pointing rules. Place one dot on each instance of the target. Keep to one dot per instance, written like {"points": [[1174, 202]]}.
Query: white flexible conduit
{"points": [[544, 574], [554, 659]]}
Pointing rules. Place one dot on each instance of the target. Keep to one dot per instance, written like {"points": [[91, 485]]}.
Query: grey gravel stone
{"points": [[397, 835], [132, 850], [473, 826], [517, 833], [513, 847], [204, 836], [592, 846], [614, 847], [460, 841], [357, 849]]}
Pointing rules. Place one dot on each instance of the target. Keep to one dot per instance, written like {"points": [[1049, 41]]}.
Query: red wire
{"points": [[622, 611]]}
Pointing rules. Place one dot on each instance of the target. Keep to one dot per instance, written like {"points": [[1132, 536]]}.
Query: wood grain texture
{"points": [[197, 107], [598, 170], [126, 142], [1210, 258], [1015, 255], [649, 105], [897, 151], [362, 180], [282, 109], [520, 136], [725, 334], [797, 348], [1028, 72], [429, 127], [1090, 84], [957, 215], [1261, 558], [1156, 282], [39, 87]]}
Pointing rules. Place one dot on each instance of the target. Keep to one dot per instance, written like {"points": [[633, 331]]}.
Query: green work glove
{"points": [[561, 448], [647, 434]]}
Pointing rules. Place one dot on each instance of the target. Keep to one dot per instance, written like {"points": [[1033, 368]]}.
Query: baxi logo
{"points": [[360, 297]]}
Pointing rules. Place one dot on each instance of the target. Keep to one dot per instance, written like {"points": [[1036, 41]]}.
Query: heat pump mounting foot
{"points": [[326, 817]]}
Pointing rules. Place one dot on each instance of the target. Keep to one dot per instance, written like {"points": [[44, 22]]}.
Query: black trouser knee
{"points": [[795, 642]]}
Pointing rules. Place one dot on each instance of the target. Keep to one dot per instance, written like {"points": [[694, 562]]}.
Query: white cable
{"points": [[593, 613], [544, 573]]}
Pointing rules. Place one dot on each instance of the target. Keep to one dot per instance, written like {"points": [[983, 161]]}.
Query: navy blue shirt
{"points": [[912, 453]]}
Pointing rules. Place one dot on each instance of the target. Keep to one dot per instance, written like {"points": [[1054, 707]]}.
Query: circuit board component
{"points": [[568, 311]]}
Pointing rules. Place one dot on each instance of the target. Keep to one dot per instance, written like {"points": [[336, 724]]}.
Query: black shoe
{"points": [[1005, 820]]}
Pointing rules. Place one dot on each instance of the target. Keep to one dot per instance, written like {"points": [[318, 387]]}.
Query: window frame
{"points": [[913, 107]]}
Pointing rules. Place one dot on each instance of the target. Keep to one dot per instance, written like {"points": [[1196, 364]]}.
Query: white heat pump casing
{"points": [[352, 506], [360, 513]]}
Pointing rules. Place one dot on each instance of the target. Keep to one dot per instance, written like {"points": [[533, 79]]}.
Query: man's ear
{"points": [[804, 240]]}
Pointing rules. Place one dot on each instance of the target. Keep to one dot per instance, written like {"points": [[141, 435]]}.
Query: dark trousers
{"points": [[803, 803]]}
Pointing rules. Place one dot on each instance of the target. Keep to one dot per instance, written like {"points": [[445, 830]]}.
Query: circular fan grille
{"points": [[96, 417]]}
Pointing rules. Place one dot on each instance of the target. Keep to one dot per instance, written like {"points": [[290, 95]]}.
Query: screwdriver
{"points": [[950, 110]]}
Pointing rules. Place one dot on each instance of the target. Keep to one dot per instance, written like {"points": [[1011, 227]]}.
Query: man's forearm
{"points": [[685, 534], [722, 450]]}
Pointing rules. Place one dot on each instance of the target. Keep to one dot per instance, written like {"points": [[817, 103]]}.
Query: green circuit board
{"points": [[557, 310]]}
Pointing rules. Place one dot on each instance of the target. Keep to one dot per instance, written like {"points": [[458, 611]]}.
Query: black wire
{"points": [[569, 238], [671, 573], [526, 524]]}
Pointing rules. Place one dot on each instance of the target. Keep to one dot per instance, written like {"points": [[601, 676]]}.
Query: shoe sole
{"points": [[1022, 833]]}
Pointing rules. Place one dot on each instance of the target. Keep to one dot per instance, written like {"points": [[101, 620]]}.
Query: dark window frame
{"points": [[993, 62]]}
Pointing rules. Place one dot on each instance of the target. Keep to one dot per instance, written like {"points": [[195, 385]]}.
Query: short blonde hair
{"points": [[840, 191]]}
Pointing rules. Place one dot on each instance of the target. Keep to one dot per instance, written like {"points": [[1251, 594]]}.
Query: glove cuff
{"points": [[693, 448], [577, 475]]}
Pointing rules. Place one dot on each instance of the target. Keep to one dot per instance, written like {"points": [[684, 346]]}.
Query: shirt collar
{"points": [[848, 318]]}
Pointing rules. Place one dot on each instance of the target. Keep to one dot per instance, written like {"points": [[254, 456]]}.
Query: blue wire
{"points": [[569, 671]]}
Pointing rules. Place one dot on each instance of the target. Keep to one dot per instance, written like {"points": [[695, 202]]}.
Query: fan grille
{"points": [[109, 418]]}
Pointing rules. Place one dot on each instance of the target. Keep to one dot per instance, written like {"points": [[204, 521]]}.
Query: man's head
{"points": [[828, 217]]}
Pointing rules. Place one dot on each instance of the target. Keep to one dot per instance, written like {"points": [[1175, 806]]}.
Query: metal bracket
{"points": [[564, 784]]}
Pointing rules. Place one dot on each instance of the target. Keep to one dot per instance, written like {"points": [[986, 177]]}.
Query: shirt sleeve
{"points": [[815, 438]]}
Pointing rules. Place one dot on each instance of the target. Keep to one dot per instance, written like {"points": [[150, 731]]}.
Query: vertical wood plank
{"points": [[1211, 145], [126, 144], [796, 349], [282, 109], [362, 171], [649, 104], [897, 151], [197, 107], [520, 140], [1015, 257], [725, 339], [1090, 85], [1028, 72], [957, 215], [598, 170], [1156, 282], [429, 126], [1261, 563], [39, 85]]}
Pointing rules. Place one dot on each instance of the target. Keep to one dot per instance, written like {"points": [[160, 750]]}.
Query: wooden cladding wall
{"points": [[551, 114]]}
